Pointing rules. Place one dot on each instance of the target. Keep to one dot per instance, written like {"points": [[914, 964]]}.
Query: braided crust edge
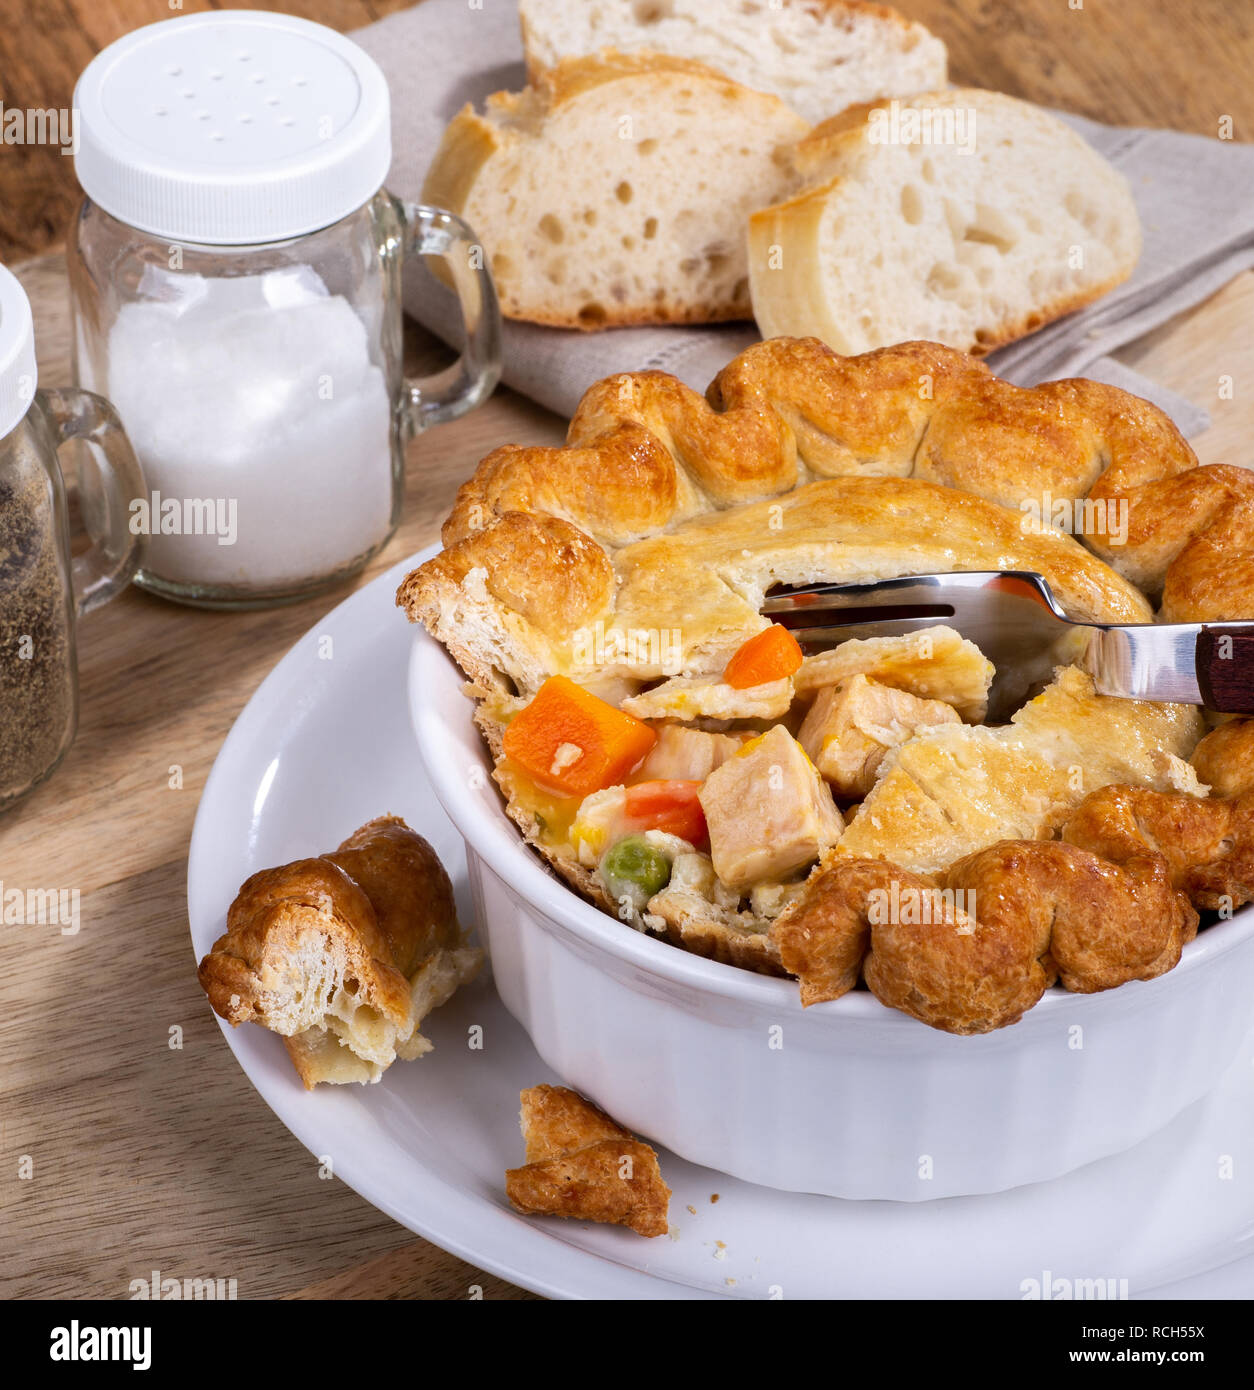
{"points": [[530, 539]]}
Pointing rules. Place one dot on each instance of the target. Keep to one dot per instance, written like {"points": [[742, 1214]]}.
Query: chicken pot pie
{"points": [[681, 762]]}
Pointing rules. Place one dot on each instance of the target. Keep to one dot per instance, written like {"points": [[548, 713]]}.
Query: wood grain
{"points": [[150, 1157]]}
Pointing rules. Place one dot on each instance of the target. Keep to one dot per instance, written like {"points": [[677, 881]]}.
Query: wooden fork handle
{"points": [[1225, 669]]}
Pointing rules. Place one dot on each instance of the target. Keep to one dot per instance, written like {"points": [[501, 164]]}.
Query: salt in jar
{"points": [[235, 282]]}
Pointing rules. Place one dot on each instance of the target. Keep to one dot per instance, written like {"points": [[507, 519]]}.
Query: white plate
{"points": [[326, 744]]}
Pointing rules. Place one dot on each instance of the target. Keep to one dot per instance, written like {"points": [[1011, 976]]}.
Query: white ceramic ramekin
{"points": [[848, 1098]]}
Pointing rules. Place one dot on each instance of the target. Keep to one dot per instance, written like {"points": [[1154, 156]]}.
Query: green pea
{"points": [[636, 863]]}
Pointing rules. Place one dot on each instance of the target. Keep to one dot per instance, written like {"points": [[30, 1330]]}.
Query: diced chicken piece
{"points": [[710, 697], [852, 726], [768, 811], [682, 754]]}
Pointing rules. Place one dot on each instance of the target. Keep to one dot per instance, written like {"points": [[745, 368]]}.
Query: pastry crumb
{"points": [[581, 1164]]}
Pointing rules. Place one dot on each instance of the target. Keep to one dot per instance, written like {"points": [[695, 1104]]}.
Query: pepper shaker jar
{"points": [[235, 273], [42, 590]]}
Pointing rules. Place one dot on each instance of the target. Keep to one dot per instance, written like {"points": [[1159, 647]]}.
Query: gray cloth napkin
{"points": [[1193, 195]]}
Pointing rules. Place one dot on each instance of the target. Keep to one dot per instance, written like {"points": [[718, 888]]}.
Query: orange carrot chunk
{"points": [[769, 655], [671, 806], [571, 740]]}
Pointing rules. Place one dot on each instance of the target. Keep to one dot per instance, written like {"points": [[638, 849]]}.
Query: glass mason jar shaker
{"points": [[43, 590], [235, 273]]}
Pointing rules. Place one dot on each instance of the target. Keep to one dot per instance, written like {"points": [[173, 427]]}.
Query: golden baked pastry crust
{"points": [[564, 537], [909, 459], [1114, 900], [246, 971], [408, 888], [668, 512], [704, 580], [1040, 913], [1224, 759], [1208, 845], [956, 789], [371, 926], [935, 664], [582, 1165]]}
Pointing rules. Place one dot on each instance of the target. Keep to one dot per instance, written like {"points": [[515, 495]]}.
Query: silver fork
{"points": [[1015, 620]]}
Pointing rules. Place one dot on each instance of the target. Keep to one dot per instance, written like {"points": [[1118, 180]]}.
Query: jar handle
{"points": [[110, 564], [471, 379]]}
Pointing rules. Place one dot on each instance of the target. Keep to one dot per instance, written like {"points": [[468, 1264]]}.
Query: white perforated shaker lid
{"points": [[232, 127], [18, 376]]}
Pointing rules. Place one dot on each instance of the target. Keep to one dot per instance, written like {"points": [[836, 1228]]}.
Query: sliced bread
{"points": [[965, 217], [818, 55], [616, 190]]}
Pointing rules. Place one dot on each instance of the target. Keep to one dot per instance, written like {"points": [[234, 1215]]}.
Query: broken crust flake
{"points": [[556, 1121], [583, 1165], [319, 1054], [710, 697], [935, 664]]}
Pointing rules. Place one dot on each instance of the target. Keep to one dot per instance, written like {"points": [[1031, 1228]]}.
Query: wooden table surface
{"points": [[143, 1157]]}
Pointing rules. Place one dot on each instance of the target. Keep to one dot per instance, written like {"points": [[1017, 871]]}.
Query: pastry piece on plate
{"points": [[581, 1164], [615, 190], [964, 216], [819, 57], [345, 954]]}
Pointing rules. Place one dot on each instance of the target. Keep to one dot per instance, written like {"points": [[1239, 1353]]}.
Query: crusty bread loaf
{"points": [[818, 55], [965, 217], [616, 190]]}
